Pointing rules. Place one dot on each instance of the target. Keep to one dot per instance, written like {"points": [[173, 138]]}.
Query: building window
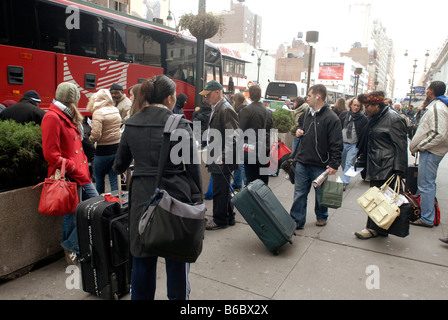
{"points": [[118, 6]]}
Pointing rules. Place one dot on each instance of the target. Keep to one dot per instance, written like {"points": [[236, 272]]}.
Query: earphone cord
{"points": [[315, 137]]}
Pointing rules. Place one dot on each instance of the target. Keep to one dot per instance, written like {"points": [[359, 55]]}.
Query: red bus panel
{"points": [[39, 73], [78, 69]]}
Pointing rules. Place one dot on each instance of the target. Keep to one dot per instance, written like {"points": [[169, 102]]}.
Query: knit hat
{"points": [[33, 95], [116, 87], [375, 97], [67, 92]]}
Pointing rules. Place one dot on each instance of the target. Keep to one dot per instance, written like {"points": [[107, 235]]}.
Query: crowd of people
{"points": [[366, 132]]}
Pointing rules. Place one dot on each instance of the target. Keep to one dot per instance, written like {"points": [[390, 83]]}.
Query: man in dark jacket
{"points": [[180, 103], [26, 110], [256, 117], [221, 142], [320, 151]]}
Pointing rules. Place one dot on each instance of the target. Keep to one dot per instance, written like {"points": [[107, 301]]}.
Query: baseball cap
{"points": [[211, 86]]}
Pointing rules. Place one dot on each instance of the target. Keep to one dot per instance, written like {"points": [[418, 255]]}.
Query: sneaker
{"points": [[213, 226]]}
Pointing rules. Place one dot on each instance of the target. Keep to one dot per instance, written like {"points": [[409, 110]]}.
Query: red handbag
{"points": [[59, 196]]}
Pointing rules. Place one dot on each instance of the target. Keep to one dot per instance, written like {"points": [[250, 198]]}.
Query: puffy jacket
{"points": [[106, 119], [61, 138], [386, 149], [432, 131]]}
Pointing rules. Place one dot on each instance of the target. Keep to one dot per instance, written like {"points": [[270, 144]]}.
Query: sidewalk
{"points": [[323, 262]]}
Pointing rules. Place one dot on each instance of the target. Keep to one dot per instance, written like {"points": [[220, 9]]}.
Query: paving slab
{"points": [[333, 271]]}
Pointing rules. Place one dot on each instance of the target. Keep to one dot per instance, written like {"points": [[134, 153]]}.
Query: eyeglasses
{"points": [[209, 94]]}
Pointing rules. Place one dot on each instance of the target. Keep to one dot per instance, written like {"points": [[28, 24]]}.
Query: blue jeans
{"points": [[103, 165], [348, 160], [304, 176], [143, 279], [426, 181], [239, 176], [69, 231], [295, 143]]}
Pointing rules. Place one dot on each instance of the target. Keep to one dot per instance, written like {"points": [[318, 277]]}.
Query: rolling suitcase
{"points": [[103, 237], [411, 177], [265, 215]]}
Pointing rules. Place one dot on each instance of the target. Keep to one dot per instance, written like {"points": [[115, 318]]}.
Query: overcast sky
{"points": [[415, 26]]}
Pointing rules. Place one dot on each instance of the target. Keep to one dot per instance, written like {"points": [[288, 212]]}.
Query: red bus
{"points": [[46, 42]]}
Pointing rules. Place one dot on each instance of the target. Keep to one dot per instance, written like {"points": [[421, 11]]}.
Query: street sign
{"points": [[419, 90]]}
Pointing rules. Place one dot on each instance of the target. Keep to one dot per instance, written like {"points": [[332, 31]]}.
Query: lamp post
{"points": [[411, 94], [200, 59], [358, 72], [312, 37], [259, 55], [171, 17]]}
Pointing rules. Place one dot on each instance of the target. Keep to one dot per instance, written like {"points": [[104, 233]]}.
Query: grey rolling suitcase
{"points": [[265, 215]]}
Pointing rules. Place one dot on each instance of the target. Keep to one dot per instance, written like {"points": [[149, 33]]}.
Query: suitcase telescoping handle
{"points": [[120, 191]]}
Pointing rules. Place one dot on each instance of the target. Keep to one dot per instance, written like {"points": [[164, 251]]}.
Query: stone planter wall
{"points": [[287, 139], [26, 236]]}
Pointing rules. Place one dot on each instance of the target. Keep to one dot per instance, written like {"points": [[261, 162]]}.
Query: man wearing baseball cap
{"points": [[221, 153], [26, 110]]}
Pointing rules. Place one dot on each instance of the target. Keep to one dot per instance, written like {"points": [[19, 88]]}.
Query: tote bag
{"points": [[331, 194]]}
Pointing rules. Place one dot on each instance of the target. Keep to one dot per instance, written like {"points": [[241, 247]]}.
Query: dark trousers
{"points": [[253, 173], [143, 280], [223, 214]]}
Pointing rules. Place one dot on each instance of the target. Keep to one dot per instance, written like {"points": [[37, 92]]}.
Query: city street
{"points": [[323, 262]]}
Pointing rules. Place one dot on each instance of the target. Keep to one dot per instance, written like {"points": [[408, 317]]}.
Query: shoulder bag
{"points": [[59, 196], [168, 227]]}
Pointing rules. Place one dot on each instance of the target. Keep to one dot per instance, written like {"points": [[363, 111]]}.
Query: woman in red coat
{"points": [[62, 138]]}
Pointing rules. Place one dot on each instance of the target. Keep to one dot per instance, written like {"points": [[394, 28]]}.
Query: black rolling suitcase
{"points": [[103, 237], [411, 176]]}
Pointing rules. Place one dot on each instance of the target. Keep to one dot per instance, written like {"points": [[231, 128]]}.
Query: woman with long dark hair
{"points": [[142, 141]]}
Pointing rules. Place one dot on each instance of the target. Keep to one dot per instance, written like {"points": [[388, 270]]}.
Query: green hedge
{"points": [[282, 120], [21, 159]]}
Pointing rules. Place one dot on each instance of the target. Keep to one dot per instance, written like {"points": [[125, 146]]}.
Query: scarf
{"points": [[349, 121], [69, 113]]}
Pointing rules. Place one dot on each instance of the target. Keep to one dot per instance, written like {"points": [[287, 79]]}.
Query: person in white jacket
{"points": [[106, 122], [431, 141]]}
